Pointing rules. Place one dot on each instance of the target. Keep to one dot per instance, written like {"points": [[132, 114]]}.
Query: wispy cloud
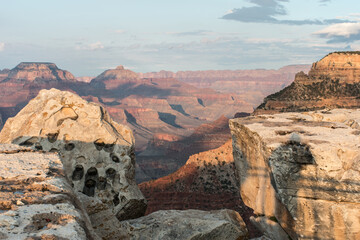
{"points": [[341, 32], [2, 46], [91, 46], [267, 11], [120, 31], [191, 33]]}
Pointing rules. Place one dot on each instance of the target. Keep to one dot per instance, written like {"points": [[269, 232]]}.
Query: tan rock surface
{"points": [[97, 153], [332, 82], [36, 200], [301, 171], [344, 66], [188, 224]]}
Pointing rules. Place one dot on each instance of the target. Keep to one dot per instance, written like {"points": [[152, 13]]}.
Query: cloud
{"points": [[120, 31], [266, 11], [92, 46], [2, 46], [191, 33], [341, 32]]}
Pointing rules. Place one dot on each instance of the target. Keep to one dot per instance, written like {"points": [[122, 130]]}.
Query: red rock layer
{"points": [[207, 182]]}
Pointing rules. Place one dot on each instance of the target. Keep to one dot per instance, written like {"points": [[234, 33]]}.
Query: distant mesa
{"points": [[332, 82], [113, 78], [38, 72]]}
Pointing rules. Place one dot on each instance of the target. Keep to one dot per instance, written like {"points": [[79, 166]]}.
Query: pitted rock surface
{"points": [[97, 153], [187, 224], [36, 200], [301, 171]]}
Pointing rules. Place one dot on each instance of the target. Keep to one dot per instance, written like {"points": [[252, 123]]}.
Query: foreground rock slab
{"points": [[187, 224], [97, 153], [301, 171], [36, 201]]}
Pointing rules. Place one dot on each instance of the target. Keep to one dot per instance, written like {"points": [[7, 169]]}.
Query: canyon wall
{"points": [[73, 178], [332, 82], [299, 173], [251, 85]]}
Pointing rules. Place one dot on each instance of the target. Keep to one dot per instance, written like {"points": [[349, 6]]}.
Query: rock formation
{"points": [[36, 200], [38, 72], [332, 82], [97, 153], [189, 225], [113, 78], [150, 107], [252, 85], [206, 182], [299, 172], [167, 153]]}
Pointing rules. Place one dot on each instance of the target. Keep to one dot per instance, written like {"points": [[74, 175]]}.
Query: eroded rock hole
{"points": [[99, 144], [110, 173], [38, 146], [109, 147], [89, 187], [29, 142], [92, 171], [116, 199], [78, 173], [69, 146], [102, 183], [115, 158], [91, 179], [54, 150], [52, 137]]}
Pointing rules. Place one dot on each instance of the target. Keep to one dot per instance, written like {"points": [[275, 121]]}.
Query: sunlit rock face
{"points": [[38, 72], [97, 153], [36, 200], [332, 82], [300, 172]]}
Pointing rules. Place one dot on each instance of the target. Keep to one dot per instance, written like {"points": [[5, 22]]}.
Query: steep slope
{"points": [[166, 153], [332, 82], [207, 182]]}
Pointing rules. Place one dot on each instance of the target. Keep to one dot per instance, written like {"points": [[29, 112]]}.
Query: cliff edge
{"points": [[332, 82]]}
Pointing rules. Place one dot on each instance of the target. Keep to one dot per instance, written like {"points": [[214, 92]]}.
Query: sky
{"points": [[86, 37]]}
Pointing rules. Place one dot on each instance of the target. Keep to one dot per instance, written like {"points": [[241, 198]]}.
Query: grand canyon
{"points": [[156, 156]]}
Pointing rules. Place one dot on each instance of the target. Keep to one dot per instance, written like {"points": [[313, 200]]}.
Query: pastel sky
{"points": [[86, 37]]}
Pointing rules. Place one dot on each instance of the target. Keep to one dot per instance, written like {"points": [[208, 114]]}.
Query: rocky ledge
{"points": [[188, 224], [36, 200], [300, 172]]}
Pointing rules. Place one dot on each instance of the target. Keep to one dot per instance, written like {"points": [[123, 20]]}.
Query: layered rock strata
{"points": [[206, 182], [97, 153], [37, 72], [189, 225], [332, 82], [299, 172], [36, 200]]}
